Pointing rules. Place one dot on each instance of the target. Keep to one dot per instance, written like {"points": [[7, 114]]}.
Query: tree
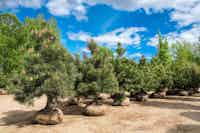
{"points": [[98, 73], [163, 55], [183, 53], [146, 76], [161, 64], [124, 70], [12, 43], [196, 52], [120, 50], [49, 69], [186, 69]]}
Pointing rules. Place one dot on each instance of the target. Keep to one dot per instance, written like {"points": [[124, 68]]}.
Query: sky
{"points": [[134, 23]]}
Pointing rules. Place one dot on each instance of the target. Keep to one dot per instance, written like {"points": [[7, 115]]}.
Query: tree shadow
{"points": [[19, 118], [185, 129], [72, 110], [192, 115], [168, 105], [182, 98]]}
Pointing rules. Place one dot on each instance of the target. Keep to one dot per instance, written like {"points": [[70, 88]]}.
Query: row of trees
{"points": [[33, 63]]}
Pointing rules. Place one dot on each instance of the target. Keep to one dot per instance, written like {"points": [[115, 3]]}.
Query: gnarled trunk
{"points": [[50, 115], [51, 103]]}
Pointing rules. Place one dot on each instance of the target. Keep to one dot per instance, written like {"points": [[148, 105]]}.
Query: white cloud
{"points": [[80, 36], [6, 4], [86, 50], [135, 55], [186, 17], [184, 11], [138, 55], [153, 41], [32, 3], [192, 35], [13, 4], [127, 36], [67, 7]]}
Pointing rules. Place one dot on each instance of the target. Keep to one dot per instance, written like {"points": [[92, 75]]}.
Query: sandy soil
{"points": [[172, 115]]}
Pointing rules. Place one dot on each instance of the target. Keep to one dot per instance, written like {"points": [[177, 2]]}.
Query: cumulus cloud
{"points": [[188, 16], [192, 35], [86, 50], [32, 3], [183, 11], [138, 55], [6, 4], [67, 7], [80, 36], [127, 36], [13, 4], [135, 55]]}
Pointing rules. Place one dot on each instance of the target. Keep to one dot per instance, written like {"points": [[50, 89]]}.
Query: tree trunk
{"points": [[51, 104]]}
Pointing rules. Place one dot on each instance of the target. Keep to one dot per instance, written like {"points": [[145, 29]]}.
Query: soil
{"points": [[170, 115]]}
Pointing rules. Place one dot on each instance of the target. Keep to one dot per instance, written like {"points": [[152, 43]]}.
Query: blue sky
{"points": [[134, 23]]}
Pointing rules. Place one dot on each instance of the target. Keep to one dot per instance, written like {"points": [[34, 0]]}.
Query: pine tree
{"points": [[163, 56], [49, 69], [124, 70], [162, 64], [98, 73], [12, 43], [120, 50], [186, 70], [146, 76]]}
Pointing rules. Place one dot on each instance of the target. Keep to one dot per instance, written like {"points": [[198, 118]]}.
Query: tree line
{"points": [[33, 62]]}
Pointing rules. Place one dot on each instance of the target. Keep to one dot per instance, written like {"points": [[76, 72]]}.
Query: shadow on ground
{"points": [[19, 118], [72, 110], [169, 105], [182, 98], [185, 129], [192, 115]]}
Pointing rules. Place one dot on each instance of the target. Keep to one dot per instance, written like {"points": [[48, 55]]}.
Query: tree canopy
{"points": [[34, 61]]}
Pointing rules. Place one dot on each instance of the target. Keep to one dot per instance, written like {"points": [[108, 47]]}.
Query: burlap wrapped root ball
{"points": [[94, 110], [49, 117]]}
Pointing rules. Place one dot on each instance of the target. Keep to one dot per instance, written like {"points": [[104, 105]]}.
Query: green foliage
{"points": [[120, 51], [49, 69], [33, 61], [196, 52], [118, 98], [163, 56], [164, 76], [186, 68], [162, 64], [187, 77], [97, 73], [183, 53], [11, 49], [125, 70], [146, 77]]}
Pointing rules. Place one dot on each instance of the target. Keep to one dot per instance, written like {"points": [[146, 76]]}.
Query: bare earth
{"points": [[172, 115]]}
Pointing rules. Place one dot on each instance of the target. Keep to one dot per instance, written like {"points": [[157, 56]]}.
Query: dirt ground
{"points": [[172, 115]]}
